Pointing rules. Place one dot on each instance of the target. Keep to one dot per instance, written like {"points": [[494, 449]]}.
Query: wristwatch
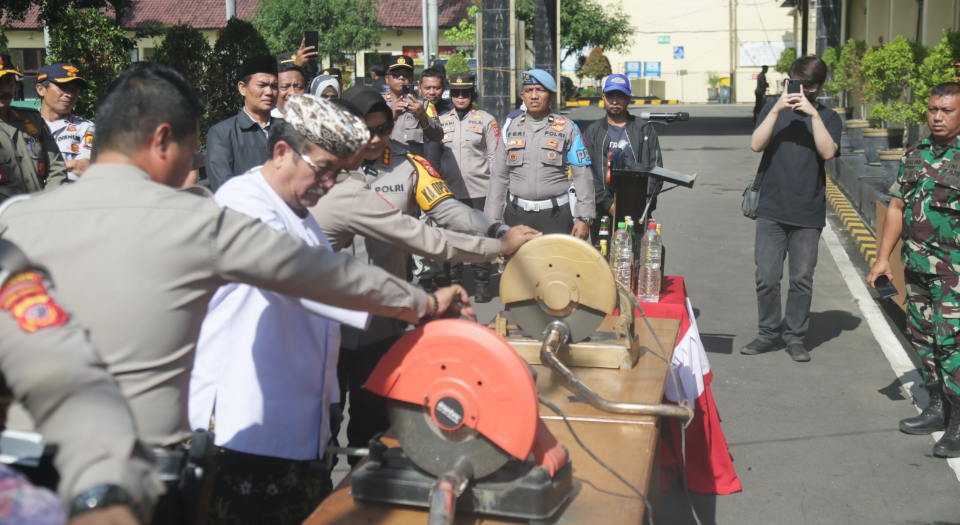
{"points": [[101, 497], [585, 220]]}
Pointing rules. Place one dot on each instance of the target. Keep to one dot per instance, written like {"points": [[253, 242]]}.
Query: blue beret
{"points": [[539, 76]]}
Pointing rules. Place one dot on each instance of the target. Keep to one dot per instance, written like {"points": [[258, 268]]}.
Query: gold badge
{"points": [[71, 71], [401, 61], [31, 127], [459, 80]]}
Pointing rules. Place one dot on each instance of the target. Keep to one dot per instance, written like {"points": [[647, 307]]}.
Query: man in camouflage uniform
{"points": [[29, 157], [925, 214]]}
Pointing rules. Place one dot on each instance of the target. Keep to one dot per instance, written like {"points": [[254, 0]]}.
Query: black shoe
{"points": [[428, 285], [798, 353], [949, 444], [483, 293], [757, 347], [932, 419]]}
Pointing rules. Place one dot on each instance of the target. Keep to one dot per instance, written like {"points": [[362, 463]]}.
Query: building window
{"points": [[29, 60]]}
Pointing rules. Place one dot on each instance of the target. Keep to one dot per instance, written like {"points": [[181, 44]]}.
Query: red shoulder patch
{"points": [[496, 128], [26, 298], [426, 165]]}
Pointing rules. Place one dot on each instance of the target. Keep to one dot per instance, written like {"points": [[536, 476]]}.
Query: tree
{"points": [[832, 59], [187, 51], [237, 42], [787, 58], [597, 65], [344, 25], [457, 64], [889, 71], [941, 65], [849, 72], [466, 31], [585, 24], [97, 46]]}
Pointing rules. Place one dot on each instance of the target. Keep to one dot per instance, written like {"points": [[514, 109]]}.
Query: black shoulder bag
{"points": [[751, 195]]}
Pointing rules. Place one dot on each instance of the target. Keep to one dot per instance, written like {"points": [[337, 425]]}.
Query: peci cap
{"points": [[540, 77], [367, 100], [6, 66], [326, 125], [258, 64], [61, 73], [333, 72], [399, 61], [617, 82], [464, 81]]}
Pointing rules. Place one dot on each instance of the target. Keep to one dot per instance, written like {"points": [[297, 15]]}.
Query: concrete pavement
{"points": [[812, 442]]}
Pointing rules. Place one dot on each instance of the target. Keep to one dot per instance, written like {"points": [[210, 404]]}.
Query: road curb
{"points": [[599, 103], [852, 223]]}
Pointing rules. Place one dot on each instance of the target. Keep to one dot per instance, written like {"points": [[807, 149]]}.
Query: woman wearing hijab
{"points": [[325, 87]]}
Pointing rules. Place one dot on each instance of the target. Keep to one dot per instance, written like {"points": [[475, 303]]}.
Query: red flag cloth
{"points": [[709, 467]]}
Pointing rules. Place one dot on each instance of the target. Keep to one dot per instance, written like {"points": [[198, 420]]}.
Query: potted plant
{"points": [[832, 89], [889, 71], [713, 86], [848, 75]]}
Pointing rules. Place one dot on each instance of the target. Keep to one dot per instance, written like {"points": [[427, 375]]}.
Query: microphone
{"points": [[681, 116]]}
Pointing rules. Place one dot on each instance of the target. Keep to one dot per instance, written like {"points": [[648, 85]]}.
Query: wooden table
{"points": [[629, 444]]}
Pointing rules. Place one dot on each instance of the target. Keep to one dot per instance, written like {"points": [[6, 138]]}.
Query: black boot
{"points": [[932, 419], [482, 278], [456, 273], [949, 444]]}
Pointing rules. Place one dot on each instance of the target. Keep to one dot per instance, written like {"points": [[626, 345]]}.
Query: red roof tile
{"points": [[201, 14], [211, 14], [409, 13]]}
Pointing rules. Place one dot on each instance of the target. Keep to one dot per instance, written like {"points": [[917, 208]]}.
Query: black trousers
{"points": [[558, 219], [368, 411], [481, 271], [761, 97]]}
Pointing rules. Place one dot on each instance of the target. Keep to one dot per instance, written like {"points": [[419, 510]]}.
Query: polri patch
{"points": [[88, 140], [496, 128], [28, 301], [553, 144], [518, 143]]}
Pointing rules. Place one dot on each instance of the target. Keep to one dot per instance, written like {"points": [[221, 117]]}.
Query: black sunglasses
{"points": [[382, 130]]}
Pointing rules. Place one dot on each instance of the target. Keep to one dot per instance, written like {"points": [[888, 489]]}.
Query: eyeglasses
{"points": [[461, 93], [382, 130], [337, 175], [402, 74]]}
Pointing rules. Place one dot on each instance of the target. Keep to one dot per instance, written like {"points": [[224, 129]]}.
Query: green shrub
{"points": [[713, 79], [939, 66], [457, 64], [787, 58], [889, 71], [187, 51]]}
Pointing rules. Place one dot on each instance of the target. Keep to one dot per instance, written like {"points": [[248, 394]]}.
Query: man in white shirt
{"points": [[265, 372], [59, 87]]}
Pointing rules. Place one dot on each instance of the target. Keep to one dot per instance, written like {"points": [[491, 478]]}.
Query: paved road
{"points": [[812, 443]]}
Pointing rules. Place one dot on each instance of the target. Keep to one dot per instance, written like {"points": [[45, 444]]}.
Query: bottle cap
{"points": [[621, 225]]}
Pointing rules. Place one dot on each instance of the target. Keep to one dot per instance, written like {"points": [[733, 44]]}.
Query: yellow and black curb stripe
{"points": [[852, 222], [582, 103]]}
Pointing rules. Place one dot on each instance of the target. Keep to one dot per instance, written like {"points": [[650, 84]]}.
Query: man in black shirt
{"points": [[760, 92], [796, 136]]}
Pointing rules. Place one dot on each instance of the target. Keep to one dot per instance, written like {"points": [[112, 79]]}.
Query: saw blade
{"points": [[436, 450], [532, 317]]}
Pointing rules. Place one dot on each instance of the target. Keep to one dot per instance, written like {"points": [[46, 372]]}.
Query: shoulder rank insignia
{"points": [[386, 156], [27, 300], [88, 140]]}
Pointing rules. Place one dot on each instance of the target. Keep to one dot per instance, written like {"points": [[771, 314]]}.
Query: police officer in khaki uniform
{"points": [[48, 363], [29, 157], [470, 139], [162, 253], [415, 120], [373, 215], [528, 179]]}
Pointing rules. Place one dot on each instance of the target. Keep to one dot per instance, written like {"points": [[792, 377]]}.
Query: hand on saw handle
{"points": [[515, 237], [452, 302]]}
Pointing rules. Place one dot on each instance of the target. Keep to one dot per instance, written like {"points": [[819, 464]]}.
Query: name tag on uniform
{"points": [[913, 162], [952, 165]]}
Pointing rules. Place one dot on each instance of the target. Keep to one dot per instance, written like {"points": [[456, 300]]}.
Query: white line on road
{"points": [[902, 366]]}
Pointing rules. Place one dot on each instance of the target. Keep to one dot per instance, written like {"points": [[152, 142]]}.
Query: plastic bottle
{"points": [[651, 270], [624, 268], [603, 247], [618, 238]]}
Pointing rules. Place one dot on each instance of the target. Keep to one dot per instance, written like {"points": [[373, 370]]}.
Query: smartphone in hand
{"points": [[408, 90], [312, 39], [884, 287], [793, 86]]}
